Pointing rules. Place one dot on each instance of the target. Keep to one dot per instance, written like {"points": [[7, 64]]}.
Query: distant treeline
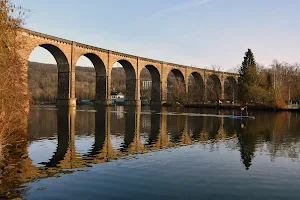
{"points": [[42, 80]]}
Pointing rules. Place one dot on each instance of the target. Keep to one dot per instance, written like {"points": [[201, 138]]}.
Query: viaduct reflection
{"points": [[163, 130], [152, 130]]}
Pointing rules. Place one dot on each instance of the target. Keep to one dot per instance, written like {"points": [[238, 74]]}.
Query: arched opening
{"points": [[230, 89], [196, 92], [213, 89], [176, 87], [150, 85], [90, 82], [48, 74], [123, 82]]}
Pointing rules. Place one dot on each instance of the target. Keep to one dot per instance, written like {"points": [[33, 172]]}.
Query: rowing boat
{"points": [[240, 117]]}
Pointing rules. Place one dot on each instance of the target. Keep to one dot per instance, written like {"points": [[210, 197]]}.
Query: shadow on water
{"points": [[116, 132]]}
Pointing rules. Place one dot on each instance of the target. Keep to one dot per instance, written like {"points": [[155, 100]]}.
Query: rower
{"points": [[242, 109]]}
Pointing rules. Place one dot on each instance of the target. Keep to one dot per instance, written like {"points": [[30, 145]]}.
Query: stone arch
{"points": [[196, 88], [176, 87], [178, 74], [101, 82], [64, 69], [59, 56], [131, 81], [230, 89], [213, 88], [155, 83]]}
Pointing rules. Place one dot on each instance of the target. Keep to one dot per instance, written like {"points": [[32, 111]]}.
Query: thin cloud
{"points": [[178, 8]]}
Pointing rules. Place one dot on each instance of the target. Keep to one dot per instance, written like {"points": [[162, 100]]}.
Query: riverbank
{"points": [[262, 107]]}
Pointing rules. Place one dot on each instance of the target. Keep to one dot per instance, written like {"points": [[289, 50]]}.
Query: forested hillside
{"points": [[42, 80]]}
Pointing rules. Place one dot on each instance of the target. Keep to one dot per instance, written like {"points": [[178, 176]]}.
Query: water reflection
{"points": [[65, 137], [157, 128], [118, 132]]}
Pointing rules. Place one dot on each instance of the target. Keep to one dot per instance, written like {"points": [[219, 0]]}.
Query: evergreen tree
{"points": [[248, 76]]}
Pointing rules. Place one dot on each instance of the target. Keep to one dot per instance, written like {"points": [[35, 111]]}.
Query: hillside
{"points": [[42, 80]]}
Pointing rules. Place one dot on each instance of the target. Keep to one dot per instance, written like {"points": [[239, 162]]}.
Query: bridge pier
{"points": [[164, 92], [205, 91], [222, 88]]}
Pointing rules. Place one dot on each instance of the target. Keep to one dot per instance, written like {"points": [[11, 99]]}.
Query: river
{"points": [[156, 153]]}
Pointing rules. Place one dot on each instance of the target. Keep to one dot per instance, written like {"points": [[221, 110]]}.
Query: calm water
{"points": [[157, 153]]}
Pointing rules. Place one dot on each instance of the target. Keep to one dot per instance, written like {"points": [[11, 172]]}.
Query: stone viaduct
{"points": [[66, 54]]}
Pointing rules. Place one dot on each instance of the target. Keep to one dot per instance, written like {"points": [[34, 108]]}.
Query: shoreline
{"points": [[237, 107], [214, 106]]}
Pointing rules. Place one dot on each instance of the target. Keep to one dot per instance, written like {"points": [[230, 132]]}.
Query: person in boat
{"points": [[243, 109]]}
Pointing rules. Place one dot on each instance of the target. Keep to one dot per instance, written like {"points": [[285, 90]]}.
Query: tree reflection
{"points": [[246, 141]]}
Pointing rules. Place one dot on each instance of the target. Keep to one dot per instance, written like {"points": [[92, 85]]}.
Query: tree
{"points": [[177, 91], [286, 83], [213, 85], [248, 76], [195, 90], [213, 89], [13, 96], [230, 89]]}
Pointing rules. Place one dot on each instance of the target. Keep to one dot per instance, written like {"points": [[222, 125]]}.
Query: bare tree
{"points": [[177, 92], [13, 97], [286, 83], [213, 85]]}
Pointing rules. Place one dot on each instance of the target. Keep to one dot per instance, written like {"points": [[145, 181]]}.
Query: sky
{"points": [[200, 33]]}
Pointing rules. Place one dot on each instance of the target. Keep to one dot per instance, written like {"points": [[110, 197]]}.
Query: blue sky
{"points": [[190, 32]]}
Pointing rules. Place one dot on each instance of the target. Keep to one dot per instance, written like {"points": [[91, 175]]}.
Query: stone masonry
{"points": [[66, 54]]}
